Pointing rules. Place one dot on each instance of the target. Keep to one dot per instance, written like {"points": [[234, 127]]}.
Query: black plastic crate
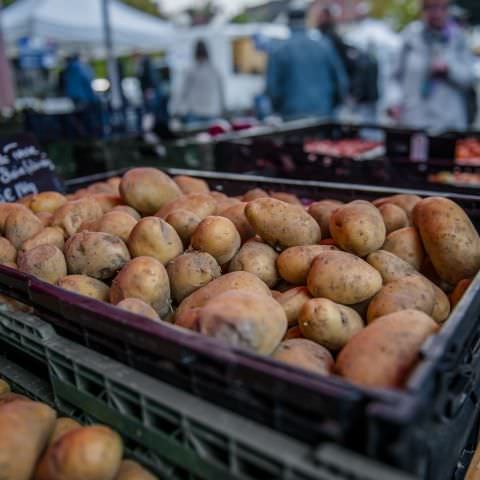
{"points": [[175, 434], [391, 426], [281, 152]]}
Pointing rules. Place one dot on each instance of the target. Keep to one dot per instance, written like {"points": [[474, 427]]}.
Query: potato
{"points": [[119, 224], [305, 354], [147, 190], [450, 239], [62, 426], [259, 259], [45, 217], [47, 202], [45, 262], [244, 320], [89, 226], [8, 253], [191, 271], [89, 453], [185, 223], [329, 324], [98, 255], [243, 281], [223, 203], [218, 237], [4, 387], [322, 212], [74, 213], [292, 302], [255, 194], [10, 397], [86, 286], [411, 292], [106, 201], [99, 188], [407, 245], [25, 428], [144, 278], [393, 268], [133, 471], [202, 205], [282, 225], [188, 320], [25, 201], [114, 184], [405, 202], [390, 267], [394, 217], [21, 225], [358, 228], [139, 307], [5, 210], [295, 262], [191, 185], [293, 332], [129, 210], [153, 237], [384, 353], [286, 197], [48, 236], [459, 291], [343, 278], [236, 214]]}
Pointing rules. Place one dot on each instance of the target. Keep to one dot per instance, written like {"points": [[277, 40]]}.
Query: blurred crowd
{"points": [[315, 72]]}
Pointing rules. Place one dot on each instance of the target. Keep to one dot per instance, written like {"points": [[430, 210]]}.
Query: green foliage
{"points": [[147, 6], [401, 12]]}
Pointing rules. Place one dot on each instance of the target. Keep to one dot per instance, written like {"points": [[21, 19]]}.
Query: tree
{"points": [[401, 12], [147, 6]]}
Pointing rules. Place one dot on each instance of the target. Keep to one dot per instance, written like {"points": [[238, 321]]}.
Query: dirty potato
{"points": [[98, 255], [139, 307], [86, 286], [45, 262], [329, 324], [147, 190], [305, 354], [259, 259], [153, 237]]}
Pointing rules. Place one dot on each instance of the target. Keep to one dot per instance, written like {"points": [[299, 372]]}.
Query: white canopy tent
{"points": [[78, 24]]}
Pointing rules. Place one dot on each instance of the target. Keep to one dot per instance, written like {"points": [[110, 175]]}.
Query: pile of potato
{"points": [[36, 445], [349, 289]]}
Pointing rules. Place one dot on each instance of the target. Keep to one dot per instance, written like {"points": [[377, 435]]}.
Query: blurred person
{"points": [[435, 73], [76, 82], [361, 67], [305, 76], [203, 98], [154, 100]]}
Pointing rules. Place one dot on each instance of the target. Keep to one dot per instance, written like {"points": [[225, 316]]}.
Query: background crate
{"points": [[175, 434]]}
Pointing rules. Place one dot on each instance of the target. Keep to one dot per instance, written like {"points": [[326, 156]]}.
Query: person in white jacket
{"points": [[202, 98], [434, 74]]}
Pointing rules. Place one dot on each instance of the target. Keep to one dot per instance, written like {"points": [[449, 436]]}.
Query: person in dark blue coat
{"points": [[305, 76], [76, 83]]}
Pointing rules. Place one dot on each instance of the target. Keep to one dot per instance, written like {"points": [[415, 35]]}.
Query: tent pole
{"points": [[113, 72]]}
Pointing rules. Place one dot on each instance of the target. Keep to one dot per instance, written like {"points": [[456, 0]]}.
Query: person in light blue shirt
{"points": [[305, 76]]}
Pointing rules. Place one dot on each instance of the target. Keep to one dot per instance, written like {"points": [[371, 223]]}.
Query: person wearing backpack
{"points": [[435, 73]]}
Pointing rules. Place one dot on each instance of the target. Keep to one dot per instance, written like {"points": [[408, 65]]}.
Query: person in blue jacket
{"points": [[305, 76], [76, 84]]}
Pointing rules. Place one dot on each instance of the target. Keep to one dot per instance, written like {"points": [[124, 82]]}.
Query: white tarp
{"points": [[73, 24]]}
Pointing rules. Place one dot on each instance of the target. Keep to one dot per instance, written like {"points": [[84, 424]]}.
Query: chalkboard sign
{"points": [[25, 169]]}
